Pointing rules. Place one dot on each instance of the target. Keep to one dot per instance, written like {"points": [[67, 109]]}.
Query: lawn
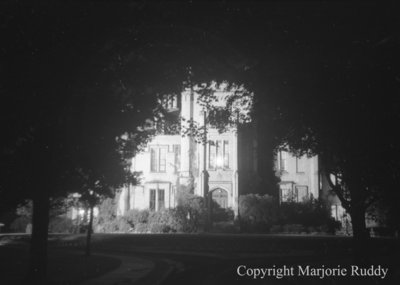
{"points": [[65, 266]]}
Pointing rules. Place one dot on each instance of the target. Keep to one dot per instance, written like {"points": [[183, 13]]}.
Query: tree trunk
{"points": [[360, 232], [38, 248], [89, 232], [360, 238]]}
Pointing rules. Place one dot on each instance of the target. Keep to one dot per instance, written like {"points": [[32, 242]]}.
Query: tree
{"points": [[57, 120], [329, 89], [98, 184], [73, 88], [340, 106]]}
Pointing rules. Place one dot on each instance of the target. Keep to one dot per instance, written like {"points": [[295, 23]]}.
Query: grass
{"points": [[64, 266]]}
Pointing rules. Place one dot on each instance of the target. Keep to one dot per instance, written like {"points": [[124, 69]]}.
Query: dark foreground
{"points": [[245, 259], [235, 259]]}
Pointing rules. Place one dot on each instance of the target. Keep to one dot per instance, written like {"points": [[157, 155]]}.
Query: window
{"points": [[219, 158], [157, 199], [163, 162], [300, 164], [288, 194], [226, 154], [334, 212], [158, 161], [283, 160], [302, 193], [154, 160], [212, 155], [170, 102], [297, 194], [152, 205], [218, 154], [161, 199]]}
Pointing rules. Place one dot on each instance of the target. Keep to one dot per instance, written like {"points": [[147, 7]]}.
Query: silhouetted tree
{"points": [[63, 114], [331, 91]]}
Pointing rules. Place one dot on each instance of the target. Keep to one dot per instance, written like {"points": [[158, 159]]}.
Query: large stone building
{"points": [[299, 177], [172, 161]]}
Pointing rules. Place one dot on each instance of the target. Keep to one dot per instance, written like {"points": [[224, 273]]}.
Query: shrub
{"points": [[164, 221], [192, 209], [62, 224], [225, 227], [141, 228], [108, 222], [107, 211], [119, 224], [20, 223], [157, 220], [310, 214], [159, 228], [257, 213], [276, 229], [175, 220], [23, 217], [58, 224], [122, 225], [135, 216], [221, 214], [263, 214], [105, 226], [293, 228], [167, 221]]}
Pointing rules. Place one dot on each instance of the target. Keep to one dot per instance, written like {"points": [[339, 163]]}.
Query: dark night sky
{"points": [[247, 29]]}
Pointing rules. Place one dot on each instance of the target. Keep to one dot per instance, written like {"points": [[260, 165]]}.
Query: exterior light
{"points": [[220, 161], [81, 212]]}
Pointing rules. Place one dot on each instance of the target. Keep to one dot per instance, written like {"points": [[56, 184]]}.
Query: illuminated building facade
{"points": [[172, 161], [299, 177]]}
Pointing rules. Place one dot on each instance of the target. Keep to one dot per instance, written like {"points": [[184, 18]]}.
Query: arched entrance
{"points": [[220, 196]]}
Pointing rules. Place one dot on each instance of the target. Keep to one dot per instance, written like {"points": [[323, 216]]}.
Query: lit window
{"points": [[226, 154], [158, 159], [212, 155], [218, 154], [220, 160]]}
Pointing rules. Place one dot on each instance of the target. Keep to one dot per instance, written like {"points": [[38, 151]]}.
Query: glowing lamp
{"points": [[220, 162]]}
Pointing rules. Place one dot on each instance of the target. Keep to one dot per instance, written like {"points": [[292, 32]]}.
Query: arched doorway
{"points": [[220, 196]]}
